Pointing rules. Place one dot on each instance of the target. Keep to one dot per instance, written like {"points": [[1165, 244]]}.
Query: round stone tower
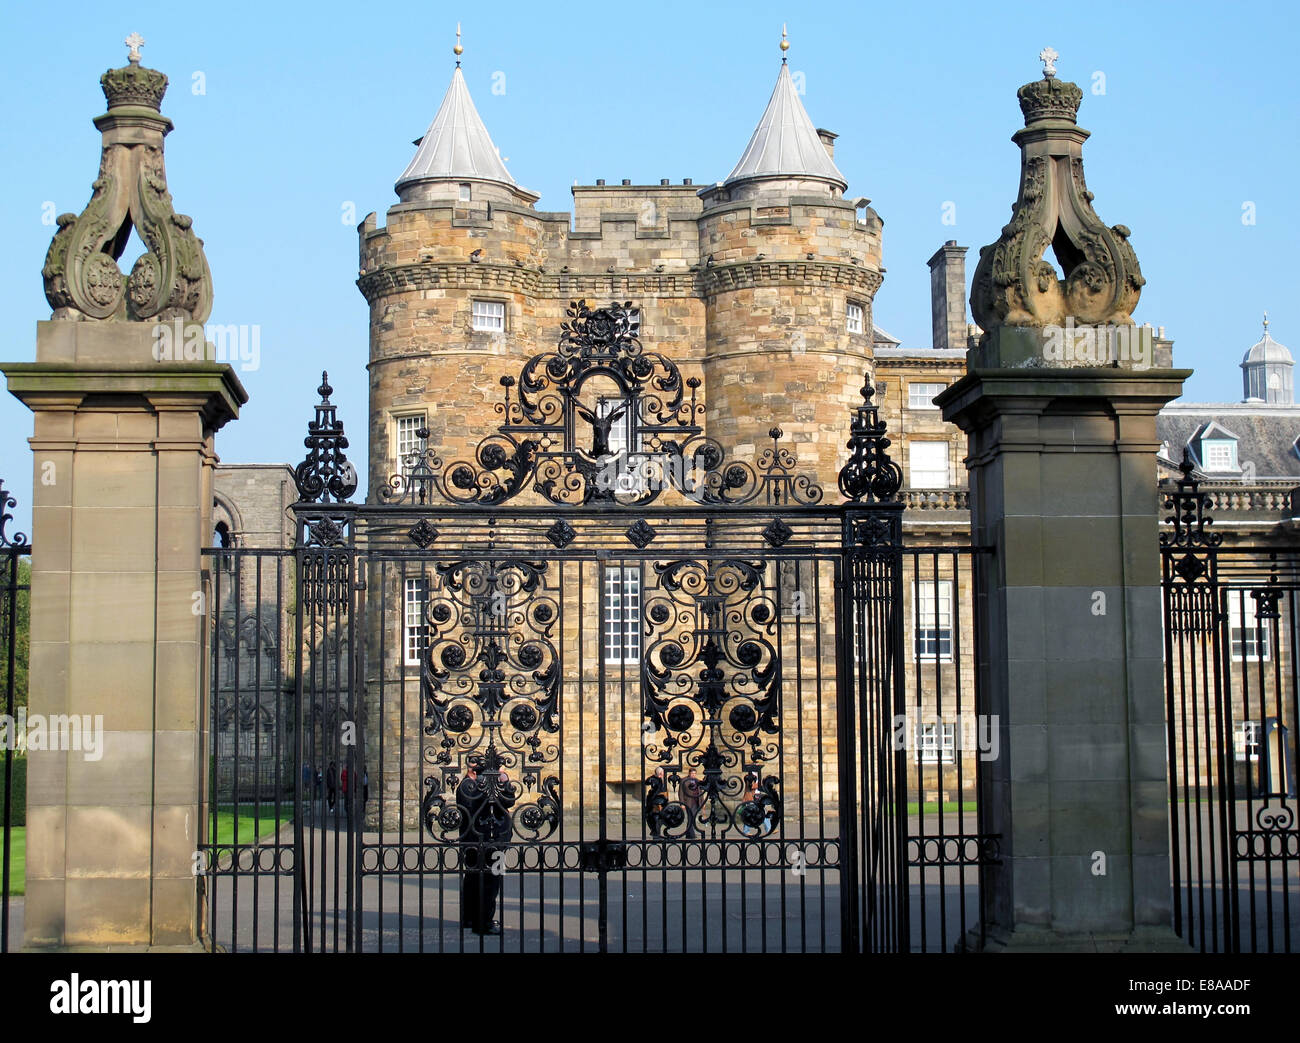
{"points": [[451, 283], [789, 270]]}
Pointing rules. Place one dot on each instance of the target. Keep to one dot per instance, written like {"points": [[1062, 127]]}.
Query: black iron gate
{"points": [[624, 694], [15, 611], [1231, 628]]}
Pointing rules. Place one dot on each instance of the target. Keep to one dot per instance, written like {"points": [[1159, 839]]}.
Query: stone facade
{"points": [[253, 628]]}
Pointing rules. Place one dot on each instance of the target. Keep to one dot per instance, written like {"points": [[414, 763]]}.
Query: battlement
{"points": [[644, 230]]}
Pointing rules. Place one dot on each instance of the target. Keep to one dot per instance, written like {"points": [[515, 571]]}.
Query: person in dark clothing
{"points": [[365, 786], [656, 800], [484, 798], [331, 781], [692, 797]]}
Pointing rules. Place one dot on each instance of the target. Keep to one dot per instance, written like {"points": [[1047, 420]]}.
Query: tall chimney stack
{"points": [[948, 295]]}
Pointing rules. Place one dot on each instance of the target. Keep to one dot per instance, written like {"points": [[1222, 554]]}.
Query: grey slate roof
{"points": [[1265, 434], [785, 141], [457, 144]]}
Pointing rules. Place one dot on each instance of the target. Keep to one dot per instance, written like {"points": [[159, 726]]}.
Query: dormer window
{"points": [[1219, 454], [1215, 448]]}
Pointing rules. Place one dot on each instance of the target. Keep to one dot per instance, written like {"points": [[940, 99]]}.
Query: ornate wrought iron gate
{"points": [[617, 694], [1231, 628]]}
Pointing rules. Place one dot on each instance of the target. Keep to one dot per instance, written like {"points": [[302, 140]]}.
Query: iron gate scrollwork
{"points": [[711, 680], [490, 683], [601, 680]]}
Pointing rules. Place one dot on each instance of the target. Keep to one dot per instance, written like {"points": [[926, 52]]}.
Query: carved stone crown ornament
{"points": [[1013, 284], [171, 279]]}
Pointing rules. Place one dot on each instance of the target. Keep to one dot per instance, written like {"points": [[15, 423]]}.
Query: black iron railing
{"points": [[1231, 622], [15, 611]]}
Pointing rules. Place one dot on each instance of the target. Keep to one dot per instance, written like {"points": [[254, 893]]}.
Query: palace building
{"points": [[760, 286]]}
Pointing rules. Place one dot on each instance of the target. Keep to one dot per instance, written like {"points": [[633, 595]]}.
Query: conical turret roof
{"points": [[785, 142], [457, 145]]}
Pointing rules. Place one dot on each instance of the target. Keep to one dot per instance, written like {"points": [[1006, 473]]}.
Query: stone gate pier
{"points": [[1059, 402], [124, 420]]}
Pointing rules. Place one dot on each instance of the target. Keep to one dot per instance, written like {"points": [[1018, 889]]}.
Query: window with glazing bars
{"points": [[622, 614], [1247, 636], [408, 440], [936, 742], [932, 620], [488, 315], [415, 631]]}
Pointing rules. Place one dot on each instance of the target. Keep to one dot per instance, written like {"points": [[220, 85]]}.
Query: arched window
{"points": [[221, 538]]}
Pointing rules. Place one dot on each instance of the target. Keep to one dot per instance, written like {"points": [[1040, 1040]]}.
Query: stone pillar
{"points": [[1063, 488], [122, 494]]}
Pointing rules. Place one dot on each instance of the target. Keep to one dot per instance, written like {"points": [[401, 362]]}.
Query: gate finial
{"points": [[869, 473], [326, 472], [1189, 517]]}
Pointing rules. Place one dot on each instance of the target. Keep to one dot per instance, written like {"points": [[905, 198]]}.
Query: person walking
{"points": [[656, 800], [751, 797], [692, 797]]}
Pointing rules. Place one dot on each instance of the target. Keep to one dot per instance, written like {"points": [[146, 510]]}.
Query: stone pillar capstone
{"points": [[126, 398], [1059, 403]]}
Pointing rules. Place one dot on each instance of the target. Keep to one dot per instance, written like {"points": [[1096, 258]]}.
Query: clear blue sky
{"points": [[309, 107]]}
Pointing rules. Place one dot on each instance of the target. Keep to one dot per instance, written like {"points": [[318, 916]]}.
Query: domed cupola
{"points": [[1266, 371]]}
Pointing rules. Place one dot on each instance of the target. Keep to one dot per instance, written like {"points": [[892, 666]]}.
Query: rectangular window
{"points": [[415, 631], [408, 440], [1247, 636], [919, 395], [928, 465], [464, 193], [932, 620], [622, 614], [1245, 741], [853, 317], [936, 742], [489, 315]]}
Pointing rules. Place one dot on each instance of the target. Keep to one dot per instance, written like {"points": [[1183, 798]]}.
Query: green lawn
{"points": [[251, 829], [931, 807], [17, 860]]}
